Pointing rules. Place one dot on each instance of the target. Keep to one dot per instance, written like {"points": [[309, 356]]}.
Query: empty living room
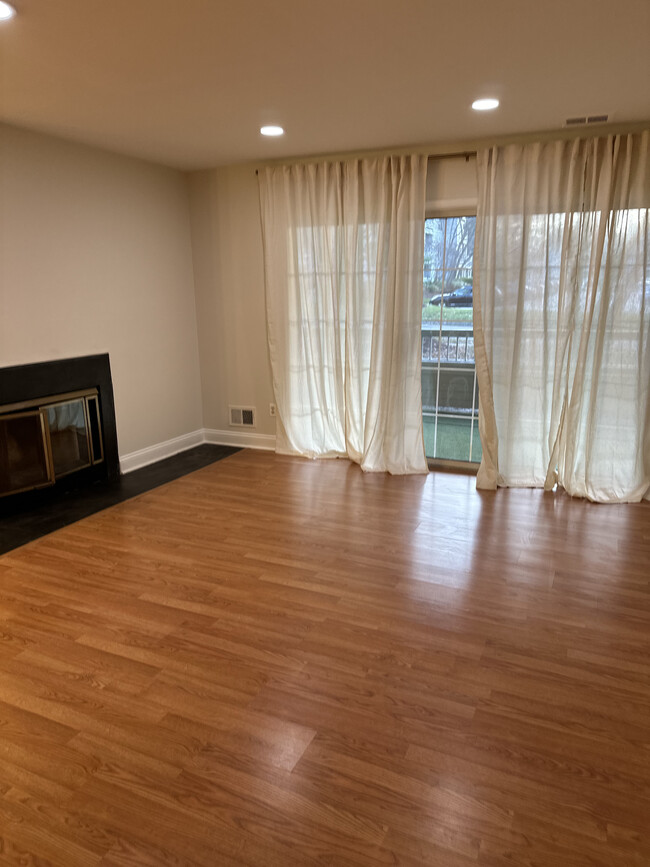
{"points": [[324, 433]]}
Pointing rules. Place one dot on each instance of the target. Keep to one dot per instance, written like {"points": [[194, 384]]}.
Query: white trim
{"points": [[159, 451], [243, 439]]}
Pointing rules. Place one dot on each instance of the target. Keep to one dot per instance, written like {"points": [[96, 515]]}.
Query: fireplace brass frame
{"points": [[47, 449], [93, 457], [81, 399], [39, 406], [49, 400]]}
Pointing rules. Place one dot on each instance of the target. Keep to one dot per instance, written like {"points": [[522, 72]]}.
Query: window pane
{"points": [[453, 438], [477, 451], [449, 391]]}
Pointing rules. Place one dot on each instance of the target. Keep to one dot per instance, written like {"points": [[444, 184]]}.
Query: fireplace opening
{"points": [[24, 462], [43, 440]]}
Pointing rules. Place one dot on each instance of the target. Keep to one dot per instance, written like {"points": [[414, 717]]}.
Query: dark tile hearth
{"points": [[54, 509]]}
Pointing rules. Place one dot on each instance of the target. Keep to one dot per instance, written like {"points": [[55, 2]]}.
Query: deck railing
{"points": [[451, 344]]}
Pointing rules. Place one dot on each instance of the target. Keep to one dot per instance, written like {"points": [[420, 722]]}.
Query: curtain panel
{"points": [[343, 259], [562, 316]]}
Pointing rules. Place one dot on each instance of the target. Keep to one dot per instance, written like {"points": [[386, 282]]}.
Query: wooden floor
{"points": [[279, 662]]}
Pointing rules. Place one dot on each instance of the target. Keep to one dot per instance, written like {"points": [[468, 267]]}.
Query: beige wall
{"points": [[95, 256], [451, 186], [229, 281]]}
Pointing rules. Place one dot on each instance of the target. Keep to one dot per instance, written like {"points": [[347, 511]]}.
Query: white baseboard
{"points": [[159, 451], [240, 438]]}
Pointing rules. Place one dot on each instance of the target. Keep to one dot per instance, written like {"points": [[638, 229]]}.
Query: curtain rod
{"points": [[470, 146], [452, 155]]}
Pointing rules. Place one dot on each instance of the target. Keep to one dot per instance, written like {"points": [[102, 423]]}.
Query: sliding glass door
{"points": [[449, 389]]}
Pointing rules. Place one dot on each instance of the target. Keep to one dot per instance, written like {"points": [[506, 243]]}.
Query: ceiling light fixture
{"points": [[6, 11], [272, 130], [485, 104]]}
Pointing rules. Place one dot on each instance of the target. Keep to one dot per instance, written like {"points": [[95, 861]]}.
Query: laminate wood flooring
{"points": [[273, 661]]}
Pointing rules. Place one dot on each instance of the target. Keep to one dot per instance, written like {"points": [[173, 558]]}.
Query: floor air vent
{"points": [[242, 416]]}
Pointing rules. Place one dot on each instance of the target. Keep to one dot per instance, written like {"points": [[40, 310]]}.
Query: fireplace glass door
{"points": [[24, 452], [41, 443], [69, 436]]}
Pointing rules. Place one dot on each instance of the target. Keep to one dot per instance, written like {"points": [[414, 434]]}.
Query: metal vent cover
{"points": [[586, 119], [242, 416]]}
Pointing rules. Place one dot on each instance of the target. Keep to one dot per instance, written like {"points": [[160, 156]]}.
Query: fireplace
{"points": [[43, 440], [57, 426]]}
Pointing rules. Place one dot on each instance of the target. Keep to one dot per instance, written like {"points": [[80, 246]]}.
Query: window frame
{"points": [[469, 467]]}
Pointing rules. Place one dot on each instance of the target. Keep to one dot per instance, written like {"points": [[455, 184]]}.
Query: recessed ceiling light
{"points": [[485, 104], [6, 11], [272, 130]]}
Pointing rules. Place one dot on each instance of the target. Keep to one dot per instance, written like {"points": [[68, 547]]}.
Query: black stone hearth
{"points": [[27, 515], [52, 508]]}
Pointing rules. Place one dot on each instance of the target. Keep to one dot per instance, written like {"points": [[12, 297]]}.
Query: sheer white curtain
{"points": [[343, 256], [562, 316]]}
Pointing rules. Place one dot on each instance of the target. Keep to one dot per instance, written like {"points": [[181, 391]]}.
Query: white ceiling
{"points": [[188, 83]]}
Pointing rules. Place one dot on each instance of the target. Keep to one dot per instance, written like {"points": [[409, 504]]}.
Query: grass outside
{"points": [[431, 313], [453, 439]]}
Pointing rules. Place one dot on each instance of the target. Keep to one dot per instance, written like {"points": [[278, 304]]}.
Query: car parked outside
{"points": [[461, 297]]}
